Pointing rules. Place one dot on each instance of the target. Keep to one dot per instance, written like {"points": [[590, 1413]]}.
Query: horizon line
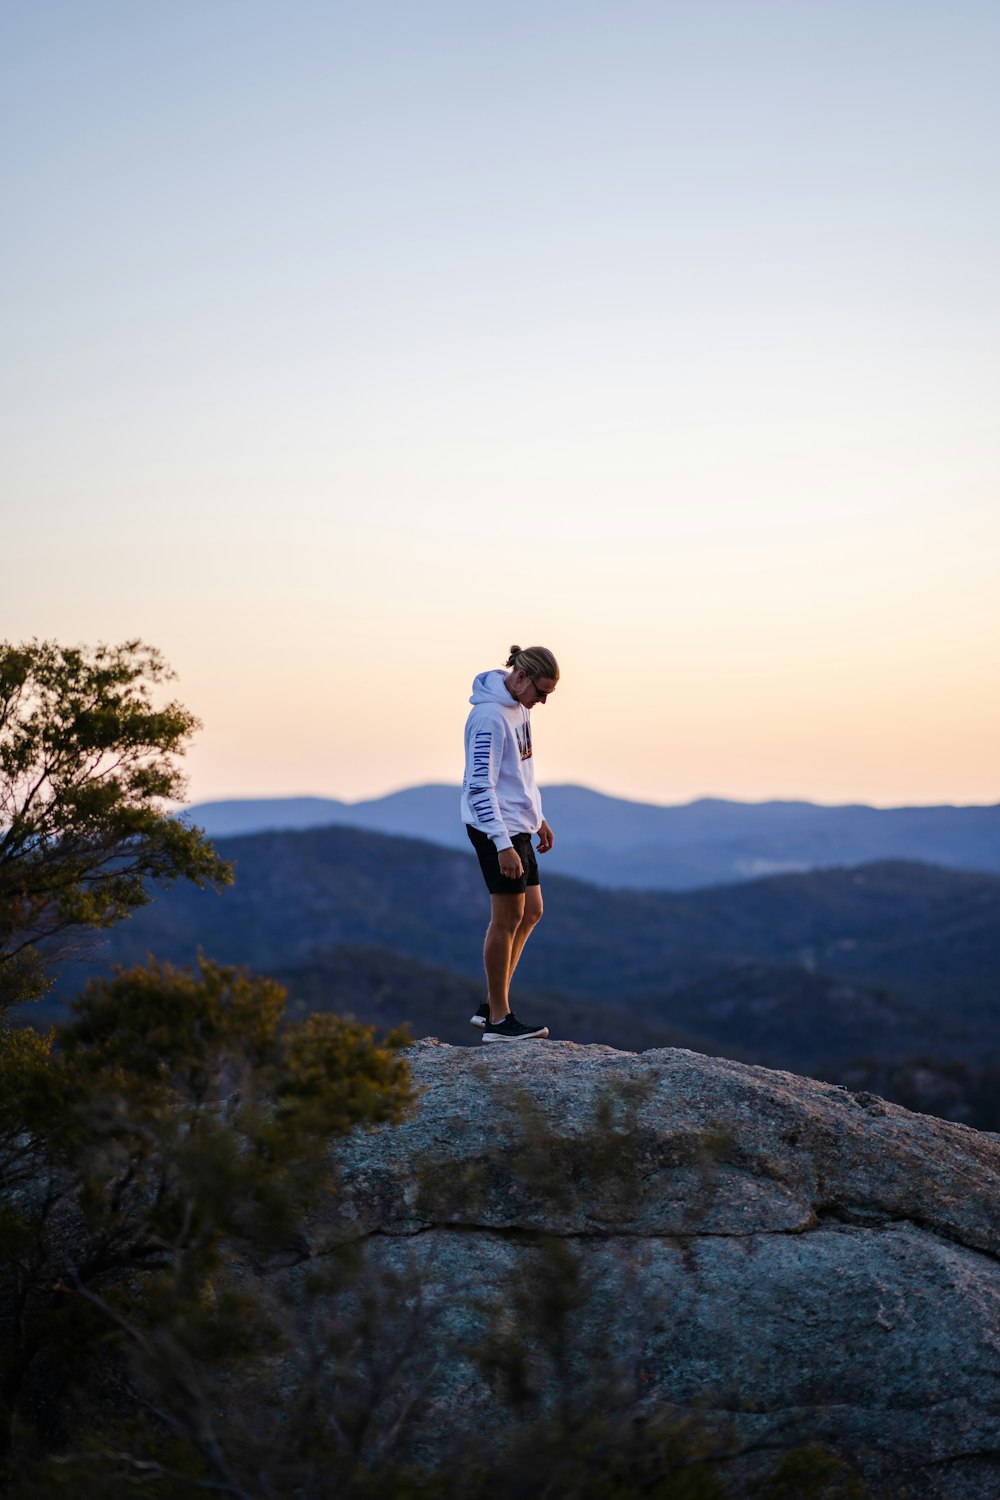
{"points": [[584, 787]]}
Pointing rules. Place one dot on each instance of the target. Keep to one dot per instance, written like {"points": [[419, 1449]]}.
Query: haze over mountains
{"points": [[612, 842]]}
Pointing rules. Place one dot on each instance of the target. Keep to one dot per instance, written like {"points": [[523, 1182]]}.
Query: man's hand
{"points": [[510, 864], [546, 838]]}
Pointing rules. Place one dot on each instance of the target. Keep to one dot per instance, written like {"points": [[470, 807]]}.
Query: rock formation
{"points": [[785, 1259]]}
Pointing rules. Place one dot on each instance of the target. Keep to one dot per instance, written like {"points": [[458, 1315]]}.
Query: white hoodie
{"points": [[499, 796]]}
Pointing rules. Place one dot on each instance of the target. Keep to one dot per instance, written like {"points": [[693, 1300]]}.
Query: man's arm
{"points": [[481, 772], [546, 838]]}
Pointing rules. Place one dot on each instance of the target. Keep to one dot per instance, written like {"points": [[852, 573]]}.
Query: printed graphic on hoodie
{"points": [[480, 792], [524, 739]]}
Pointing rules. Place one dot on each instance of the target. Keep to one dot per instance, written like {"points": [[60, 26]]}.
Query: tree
{"points": [[88, 761], [169, 1140]]}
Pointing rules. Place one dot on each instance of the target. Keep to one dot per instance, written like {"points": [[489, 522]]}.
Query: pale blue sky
{"points": [[346, 344]]}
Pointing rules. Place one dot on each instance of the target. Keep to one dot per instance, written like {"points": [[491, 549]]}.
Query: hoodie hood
{"points": [[488, 687]]}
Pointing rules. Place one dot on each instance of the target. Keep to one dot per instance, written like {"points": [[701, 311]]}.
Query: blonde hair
{"points": [[537, 661]]}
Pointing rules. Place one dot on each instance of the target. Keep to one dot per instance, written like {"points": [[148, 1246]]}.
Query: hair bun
{"points": [[536, 661]]}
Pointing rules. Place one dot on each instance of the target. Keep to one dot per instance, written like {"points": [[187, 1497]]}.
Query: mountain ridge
{"points": [[623, 844], [929, 938]]}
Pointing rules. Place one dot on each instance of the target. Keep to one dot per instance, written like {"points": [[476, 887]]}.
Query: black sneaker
{"points": [[481, 1017], [510, 1029]]}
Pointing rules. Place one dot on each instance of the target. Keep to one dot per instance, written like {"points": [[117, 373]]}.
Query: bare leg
{"points": [[505, 922], [530, 918]]}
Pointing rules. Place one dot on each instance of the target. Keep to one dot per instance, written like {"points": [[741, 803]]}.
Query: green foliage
{"points": [[171, 1134], [810, 1472], [599, 1457], [175, 1027], [87, 760], [334, 1079]]}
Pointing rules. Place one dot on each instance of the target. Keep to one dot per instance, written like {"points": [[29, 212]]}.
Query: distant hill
{"points": [[386, 989], [791, 969], [613, 842]]}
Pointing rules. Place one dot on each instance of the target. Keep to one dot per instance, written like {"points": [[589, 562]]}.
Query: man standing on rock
{"points": [[502, 808]]}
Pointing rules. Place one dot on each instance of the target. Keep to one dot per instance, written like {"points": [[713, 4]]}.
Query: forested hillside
{"points": [[799, 971], [617, 843]]}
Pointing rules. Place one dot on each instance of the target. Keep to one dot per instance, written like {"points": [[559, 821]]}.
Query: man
{"points": [[502, 808]]}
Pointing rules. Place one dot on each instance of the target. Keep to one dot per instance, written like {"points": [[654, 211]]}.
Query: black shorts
{"points": [[489, 863]]}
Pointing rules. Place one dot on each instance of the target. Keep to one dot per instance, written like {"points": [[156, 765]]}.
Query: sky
{"points": [[346, 345]]}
